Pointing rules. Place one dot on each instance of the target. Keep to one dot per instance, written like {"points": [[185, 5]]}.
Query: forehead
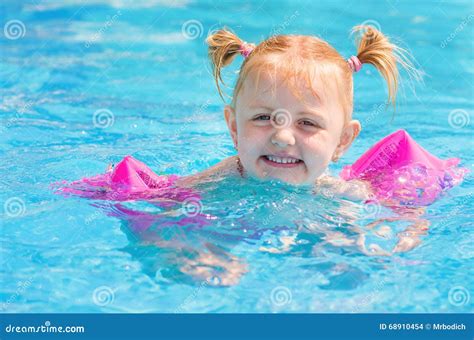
{"points": [[266, 86]]}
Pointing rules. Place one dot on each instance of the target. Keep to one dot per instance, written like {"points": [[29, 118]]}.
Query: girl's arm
{"points": [[409, 238]]}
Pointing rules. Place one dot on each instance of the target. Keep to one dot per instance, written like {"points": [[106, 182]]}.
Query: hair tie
{"points": [[354, 63], [246, 48]]}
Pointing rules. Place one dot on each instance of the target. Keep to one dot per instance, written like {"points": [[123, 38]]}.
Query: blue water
{"points": [[267, 247]]}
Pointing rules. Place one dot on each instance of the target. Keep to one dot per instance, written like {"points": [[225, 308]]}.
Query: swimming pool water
{"points": [[84, 84]]}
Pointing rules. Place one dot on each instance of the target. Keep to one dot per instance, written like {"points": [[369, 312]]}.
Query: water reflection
{"points": [[274, 219]]}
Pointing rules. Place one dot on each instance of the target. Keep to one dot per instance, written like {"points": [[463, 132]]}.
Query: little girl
{"points": [[291, 108]]}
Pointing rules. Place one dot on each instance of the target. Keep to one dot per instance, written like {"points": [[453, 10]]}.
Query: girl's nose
{"points": [[283, 138]]}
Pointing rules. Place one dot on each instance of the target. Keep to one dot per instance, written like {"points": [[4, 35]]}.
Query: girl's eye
{"points": [[262, 117], [309, 123]]}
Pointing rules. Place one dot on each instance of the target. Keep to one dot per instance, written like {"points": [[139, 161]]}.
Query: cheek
{"points": [[319, 147], [252, 138], [315, 142]]}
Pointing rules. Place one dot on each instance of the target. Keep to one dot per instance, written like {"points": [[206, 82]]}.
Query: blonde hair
{"points": [[292, 56]]}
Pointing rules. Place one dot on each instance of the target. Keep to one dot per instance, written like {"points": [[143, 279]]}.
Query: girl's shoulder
{"points": [[335, 186], [226, 167]]}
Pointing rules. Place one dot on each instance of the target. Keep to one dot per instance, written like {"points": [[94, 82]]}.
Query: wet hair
{"points": [[299, 57]]}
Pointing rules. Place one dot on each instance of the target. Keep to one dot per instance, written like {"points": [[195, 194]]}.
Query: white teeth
{"points": [[281, 160]]}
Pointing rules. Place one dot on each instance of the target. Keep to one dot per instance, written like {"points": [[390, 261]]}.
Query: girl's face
{"points": [[281, 136]]}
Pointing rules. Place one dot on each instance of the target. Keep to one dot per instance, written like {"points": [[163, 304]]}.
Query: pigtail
{"points": [[224, 45], [374, 48]]}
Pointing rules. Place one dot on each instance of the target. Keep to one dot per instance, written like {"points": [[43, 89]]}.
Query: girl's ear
{"points": [[349, 133], [229, 114]]}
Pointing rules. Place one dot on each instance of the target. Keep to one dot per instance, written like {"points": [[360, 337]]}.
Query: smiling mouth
{"points": [[281, 162]]}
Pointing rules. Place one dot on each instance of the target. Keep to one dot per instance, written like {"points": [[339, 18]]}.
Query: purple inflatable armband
{"points": [[400, 170], [130, 180]]}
